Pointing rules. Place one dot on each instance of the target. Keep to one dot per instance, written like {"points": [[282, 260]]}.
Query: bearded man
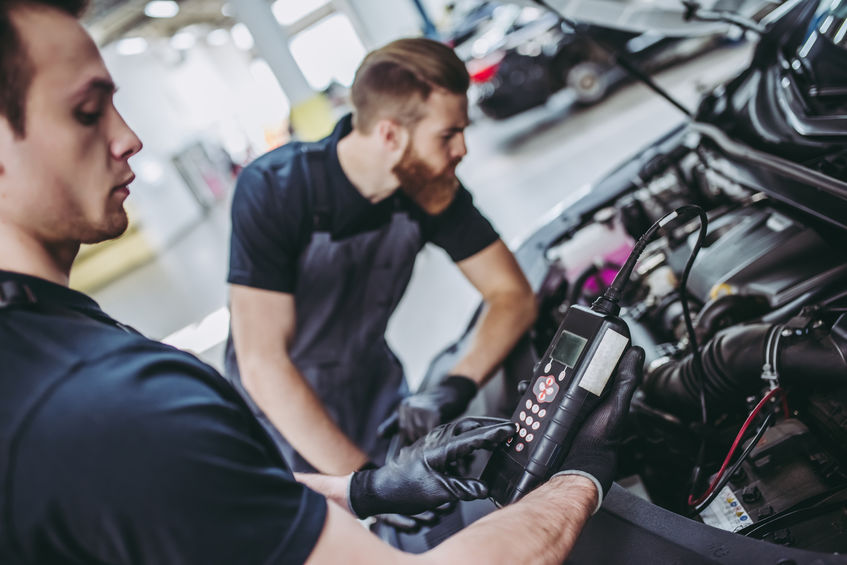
{"points": [[324, 238]]}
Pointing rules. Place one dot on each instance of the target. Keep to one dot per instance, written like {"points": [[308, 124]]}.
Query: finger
{"points": [[389, 426], [399, 522], [469, 423], [485, 437], [427, 518], [467, 489], [630, 370], [445, 508]]}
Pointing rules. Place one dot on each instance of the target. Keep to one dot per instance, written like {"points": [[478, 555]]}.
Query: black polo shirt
{"points": [[118, 449], [273, 214]]}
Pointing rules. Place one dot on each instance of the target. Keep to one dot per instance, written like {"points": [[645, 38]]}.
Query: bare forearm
{"points": [[541, 529], [503, 321], [332, 487], [294, 409]]}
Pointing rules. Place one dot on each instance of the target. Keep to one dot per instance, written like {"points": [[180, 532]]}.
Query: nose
{"points": [[124, 143], [459, 150]]}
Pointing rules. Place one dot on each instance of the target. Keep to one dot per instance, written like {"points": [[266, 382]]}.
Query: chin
{"points": [[112, 228]]}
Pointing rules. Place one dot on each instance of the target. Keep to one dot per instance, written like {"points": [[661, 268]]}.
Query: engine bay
{"points": [[749, 432]]}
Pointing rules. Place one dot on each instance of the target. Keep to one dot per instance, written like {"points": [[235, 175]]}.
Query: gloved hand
{"points": [[419, 477], [421, 412], [408, 524], [593, 453]]}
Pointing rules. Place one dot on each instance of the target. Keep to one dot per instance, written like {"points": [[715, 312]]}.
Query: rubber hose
{"points": [[732, 369]]}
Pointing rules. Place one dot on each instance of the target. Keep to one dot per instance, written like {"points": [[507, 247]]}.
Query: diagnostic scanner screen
{"points": [[568, 348]]}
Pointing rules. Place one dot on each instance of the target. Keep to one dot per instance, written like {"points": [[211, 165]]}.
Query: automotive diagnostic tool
{"points": [[569, 381]]}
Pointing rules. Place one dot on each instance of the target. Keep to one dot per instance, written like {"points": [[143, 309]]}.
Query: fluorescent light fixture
{"points": [[161, 9], [218, 37], [132, 46], [183, 40], [241, 36]]}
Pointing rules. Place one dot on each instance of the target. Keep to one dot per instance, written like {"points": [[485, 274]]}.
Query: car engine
{"points": [[768, 296]]}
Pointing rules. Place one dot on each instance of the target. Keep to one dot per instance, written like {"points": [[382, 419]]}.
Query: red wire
{"points": [[756, 410]]}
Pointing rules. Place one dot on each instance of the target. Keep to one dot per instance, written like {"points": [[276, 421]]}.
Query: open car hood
{"points": [[666, 17]]}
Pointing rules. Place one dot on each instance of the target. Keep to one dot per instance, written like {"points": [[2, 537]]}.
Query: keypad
{"points": [[545, 388]]}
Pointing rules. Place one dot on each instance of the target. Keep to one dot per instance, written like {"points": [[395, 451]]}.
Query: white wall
{"points": [[174, 99]]}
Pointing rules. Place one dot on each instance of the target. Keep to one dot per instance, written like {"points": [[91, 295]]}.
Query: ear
{"points": [[393, 136]]}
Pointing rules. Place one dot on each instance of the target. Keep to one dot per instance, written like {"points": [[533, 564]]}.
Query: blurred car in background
{"points": [[519, 56]]}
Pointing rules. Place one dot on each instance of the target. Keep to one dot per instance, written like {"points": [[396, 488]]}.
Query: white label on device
{"points": [[604, 361], [726, 512]]}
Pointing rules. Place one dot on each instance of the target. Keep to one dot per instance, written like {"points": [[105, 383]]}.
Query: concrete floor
{"points": [[518, 170]]}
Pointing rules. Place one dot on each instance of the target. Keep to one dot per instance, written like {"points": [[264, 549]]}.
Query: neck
{"points": [[363, 164], [24, 254]]}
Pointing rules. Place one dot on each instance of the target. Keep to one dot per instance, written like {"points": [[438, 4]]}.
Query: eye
{"points": [[88, 118]]}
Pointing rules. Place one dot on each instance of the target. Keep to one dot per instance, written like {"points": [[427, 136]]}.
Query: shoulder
{"points": [[461, 230], [143, 428]]}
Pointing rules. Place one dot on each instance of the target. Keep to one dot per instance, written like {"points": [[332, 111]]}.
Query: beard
{"points": [[432, 190]]}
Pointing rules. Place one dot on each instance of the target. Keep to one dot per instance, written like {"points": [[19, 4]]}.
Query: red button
{"points": [[541, 397], [519, 447], [550, 381]]}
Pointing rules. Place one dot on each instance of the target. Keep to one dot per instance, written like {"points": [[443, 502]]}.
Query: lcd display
{"points": [[568, 348]]}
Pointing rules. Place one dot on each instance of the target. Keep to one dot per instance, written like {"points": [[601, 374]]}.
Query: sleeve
{"points": [[267, 222], [166, 469], [461, 230]]}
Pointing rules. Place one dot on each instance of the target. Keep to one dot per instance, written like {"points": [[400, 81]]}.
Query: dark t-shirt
{"points": [[273, 215], [117, 449]]}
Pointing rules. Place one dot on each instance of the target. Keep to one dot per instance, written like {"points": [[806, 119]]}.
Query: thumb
{"points": [[630, 371]]}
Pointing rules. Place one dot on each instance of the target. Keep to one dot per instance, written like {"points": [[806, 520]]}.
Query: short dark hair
{"points": [[16, 69], [394, 79]]}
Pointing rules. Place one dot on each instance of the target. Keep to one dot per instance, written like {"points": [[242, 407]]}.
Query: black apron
{"points": [[345, 293]]}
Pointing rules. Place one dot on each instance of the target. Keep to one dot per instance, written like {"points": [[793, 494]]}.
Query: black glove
{"points": [[419, 413], [408, 524], [593, 453], [418, 478]]}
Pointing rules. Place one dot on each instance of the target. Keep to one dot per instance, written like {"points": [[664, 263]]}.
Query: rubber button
{"points": [[519, 447], [535, 408], [522, 415]]}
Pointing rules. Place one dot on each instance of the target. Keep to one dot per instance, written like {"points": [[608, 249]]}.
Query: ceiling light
{"points": [[241, 36], [161, 9], [217, 37], [132, 46], [183, 40]]}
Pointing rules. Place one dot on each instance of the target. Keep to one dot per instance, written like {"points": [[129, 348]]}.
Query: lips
{"points": [[125, 184]]}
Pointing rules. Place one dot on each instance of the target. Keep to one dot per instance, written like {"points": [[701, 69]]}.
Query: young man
{"points": [[117, 449], [324, 239]]}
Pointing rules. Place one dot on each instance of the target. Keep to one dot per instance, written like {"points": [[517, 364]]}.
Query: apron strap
{"points": [[316, 177]]}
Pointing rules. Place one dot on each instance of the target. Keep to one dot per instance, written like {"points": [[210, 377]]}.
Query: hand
{"points": [[418, 478], [421, 412], [412, 524], [593, 452]]}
